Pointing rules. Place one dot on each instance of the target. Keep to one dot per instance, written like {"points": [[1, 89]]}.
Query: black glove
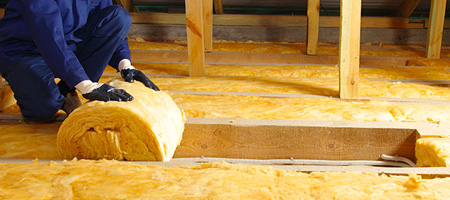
{"points": [[133, 74], [108, 93]]}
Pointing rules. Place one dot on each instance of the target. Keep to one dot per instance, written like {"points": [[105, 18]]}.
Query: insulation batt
{"points": [[104, 179], [433, 152], [148, 128]]}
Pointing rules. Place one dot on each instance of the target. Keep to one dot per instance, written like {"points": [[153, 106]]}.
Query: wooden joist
{"points": [[406, 8], [434, 38], [195, 37], [274, 20], [313, 27], [349, 48]]}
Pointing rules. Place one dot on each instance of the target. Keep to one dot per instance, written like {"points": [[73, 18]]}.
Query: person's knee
{"points": [[43, 109], [122, 18]]}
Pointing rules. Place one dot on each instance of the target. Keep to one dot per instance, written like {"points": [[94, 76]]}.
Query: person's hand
{"points": [[133, 74], [102, 92], [129, 73]]}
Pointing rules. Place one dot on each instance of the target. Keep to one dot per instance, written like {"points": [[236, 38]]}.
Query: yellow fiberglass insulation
{"points": [[433, 152], [149, 127], [87, 179]]}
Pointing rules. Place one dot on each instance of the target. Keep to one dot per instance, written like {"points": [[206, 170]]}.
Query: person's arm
{"points": [[43, 20]]}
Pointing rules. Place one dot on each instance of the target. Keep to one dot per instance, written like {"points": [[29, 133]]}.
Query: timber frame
{"points": [[350, 23]]}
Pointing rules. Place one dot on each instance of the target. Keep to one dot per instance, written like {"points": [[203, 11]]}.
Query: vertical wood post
{"points": [[194, 29], [435, 28], [127, 4], [208, 24], [349, 48], [218, 6], [313, 27]]}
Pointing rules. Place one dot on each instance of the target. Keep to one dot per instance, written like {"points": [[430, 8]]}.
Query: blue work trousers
{"points": [[32, 81]]}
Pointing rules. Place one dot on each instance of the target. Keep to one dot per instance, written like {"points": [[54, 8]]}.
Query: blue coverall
{"points": [[72, 40]]}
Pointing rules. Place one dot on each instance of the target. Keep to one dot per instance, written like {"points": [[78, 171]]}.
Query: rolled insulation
{"points": [[150, 127]]}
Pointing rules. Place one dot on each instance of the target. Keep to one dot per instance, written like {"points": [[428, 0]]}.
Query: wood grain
{"points": [[195, 41], [349, 48], [313, 27], [434, 36]]}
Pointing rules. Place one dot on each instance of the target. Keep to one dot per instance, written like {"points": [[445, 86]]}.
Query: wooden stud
{"points": [[349, 48], [313, 27], [434, 38], [218, 6], [208, 24], [406, 8], [196, 46]]}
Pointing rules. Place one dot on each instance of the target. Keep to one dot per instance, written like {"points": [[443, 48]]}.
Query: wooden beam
{"points": [[274, 20], [260, 58], [196, 45], [127, 4], [208, 24], [349, 48], [313, 27], [406, 8], [434, 38], [218, 6]]}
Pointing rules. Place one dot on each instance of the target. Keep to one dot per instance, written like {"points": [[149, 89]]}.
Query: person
{"points": [[41, 40]]}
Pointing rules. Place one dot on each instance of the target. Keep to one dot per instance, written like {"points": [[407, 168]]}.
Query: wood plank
{"points": [[196, 46], [275, 139], [406, 8], [260, 58], [274, 20], [349, 48], [218, 6], [313, 27], [208, 24], [434, 37]]}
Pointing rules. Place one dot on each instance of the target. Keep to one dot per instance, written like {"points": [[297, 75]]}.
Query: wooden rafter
{"points": [[406, 8]]}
